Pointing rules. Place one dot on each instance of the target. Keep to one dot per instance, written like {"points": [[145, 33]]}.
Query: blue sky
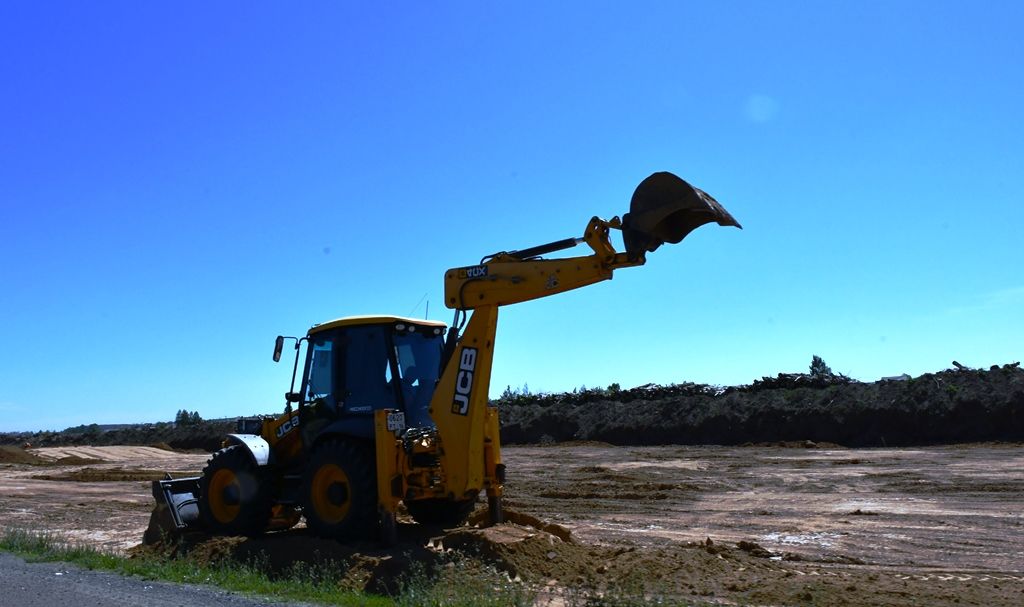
{"points": [[179, 183]]}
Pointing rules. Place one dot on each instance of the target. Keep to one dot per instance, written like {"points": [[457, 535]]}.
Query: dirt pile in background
{"points": [[206, 436], [17, 455], [954, 406], [93, 475], [948, 407]]}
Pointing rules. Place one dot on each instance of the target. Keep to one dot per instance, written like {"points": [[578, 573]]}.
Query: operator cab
{"points": [[357, 365]]}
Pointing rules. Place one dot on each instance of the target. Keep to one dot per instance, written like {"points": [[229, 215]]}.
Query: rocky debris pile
{"points": [[960, 404], [952, 406], [205, 435], [585, 395], [794, 380]]}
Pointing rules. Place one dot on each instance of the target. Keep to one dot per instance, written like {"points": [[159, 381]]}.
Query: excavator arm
{"points": [[664, 209], [508, 278]]}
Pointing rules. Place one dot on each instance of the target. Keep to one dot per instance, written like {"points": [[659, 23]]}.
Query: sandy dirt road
{"points": [[937, 526], [942, 507], [103, 499]]}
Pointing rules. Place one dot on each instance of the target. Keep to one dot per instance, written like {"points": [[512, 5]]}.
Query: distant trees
{"points": [[88, 430], [819, 368], [186, 418], [511, 393]]}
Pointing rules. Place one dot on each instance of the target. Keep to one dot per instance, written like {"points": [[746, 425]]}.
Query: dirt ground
{"points": [[719, 525]]}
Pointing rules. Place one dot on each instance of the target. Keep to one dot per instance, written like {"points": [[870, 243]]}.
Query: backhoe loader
{"points": [[391, 410]]}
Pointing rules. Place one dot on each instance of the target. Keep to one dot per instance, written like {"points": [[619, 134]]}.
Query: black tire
{"points": [[339, 491], [440, 511], [234, 495]]}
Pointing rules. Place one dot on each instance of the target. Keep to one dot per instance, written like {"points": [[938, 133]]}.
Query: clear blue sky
{"points": [[180, 182]]}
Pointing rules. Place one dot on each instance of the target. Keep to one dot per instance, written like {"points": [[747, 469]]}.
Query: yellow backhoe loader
{"points": [[394, 410]]}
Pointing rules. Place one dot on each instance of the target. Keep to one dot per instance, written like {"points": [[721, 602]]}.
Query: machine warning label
{"points": [[396, 421], [473, 272], [464, 381]]}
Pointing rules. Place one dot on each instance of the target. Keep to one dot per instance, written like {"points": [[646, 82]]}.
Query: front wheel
{"points": [[234, 497], [340, 491]]}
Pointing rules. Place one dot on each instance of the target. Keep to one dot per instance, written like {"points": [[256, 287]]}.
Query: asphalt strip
{"points": [[47, 584]]}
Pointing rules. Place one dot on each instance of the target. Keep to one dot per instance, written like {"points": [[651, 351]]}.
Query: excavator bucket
{"points": [[665, 209]]}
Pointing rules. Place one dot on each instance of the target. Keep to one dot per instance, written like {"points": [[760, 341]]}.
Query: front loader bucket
{"points": [[665, 209], [179, 498]]}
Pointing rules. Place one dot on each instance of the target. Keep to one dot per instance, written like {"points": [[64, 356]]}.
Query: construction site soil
{"points": [[755, 525]]}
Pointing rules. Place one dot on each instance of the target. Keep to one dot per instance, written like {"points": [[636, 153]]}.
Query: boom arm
{"points": [[664, 208], [508, 278], [467, 427]]}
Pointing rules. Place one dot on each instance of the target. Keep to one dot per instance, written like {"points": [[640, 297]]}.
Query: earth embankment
{"points": [[955, 406]]}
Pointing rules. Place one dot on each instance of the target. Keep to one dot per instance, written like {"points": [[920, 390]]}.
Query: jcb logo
{"points": [[473, 272], [288, 426], [464, 381]]}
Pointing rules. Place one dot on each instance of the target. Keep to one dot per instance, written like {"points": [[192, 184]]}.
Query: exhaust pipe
{"points": [[664, 209]]}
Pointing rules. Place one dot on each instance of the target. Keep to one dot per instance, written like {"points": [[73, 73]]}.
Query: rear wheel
{"points": [[340, 491], [440, 511], [234, 497]]}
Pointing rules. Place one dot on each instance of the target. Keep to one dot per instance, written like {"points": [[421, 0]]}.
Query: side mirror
{"points": [[292, 397], [278, 346]]}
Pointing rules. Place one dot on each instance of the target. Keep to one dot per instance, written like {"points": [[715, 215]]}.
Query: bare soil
{"points": [[725, 525]]}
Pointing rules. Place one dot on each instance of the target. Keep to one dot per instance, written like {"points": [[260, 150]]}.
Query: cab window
{"points": [[367, 370], [321, 369]]}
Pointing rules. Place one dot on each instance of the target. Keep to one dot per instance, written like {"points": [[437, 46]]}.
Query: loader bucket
{"points": [[178, 498], [665, 209]]}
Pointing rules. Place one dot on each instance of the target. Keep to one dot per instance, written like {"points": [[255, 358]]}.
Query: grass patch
{"points": [[303, 582]]}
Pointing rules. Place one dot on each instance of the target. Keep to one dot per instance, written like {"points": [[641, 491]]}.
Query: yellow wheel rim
{"points": [[328, 510], [222, 482]]}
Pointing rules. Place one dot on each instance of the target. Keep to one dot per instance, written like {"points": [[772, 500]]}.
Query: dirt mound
{"points": [[562, 572], [74, 460], [206, 435], [93, 475], [358, 566], [522, 552], [479, 518], [542, 555], [954, 406], [17, 455], [525, 547]]}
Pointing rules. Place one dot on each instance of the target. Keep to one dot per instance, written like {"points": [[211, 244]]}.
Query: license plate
{"points": [[396, 421]]}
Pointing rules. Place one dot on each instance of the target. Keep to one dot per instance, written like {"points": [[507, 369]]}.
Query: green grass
{"points": [[305, 583]]}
